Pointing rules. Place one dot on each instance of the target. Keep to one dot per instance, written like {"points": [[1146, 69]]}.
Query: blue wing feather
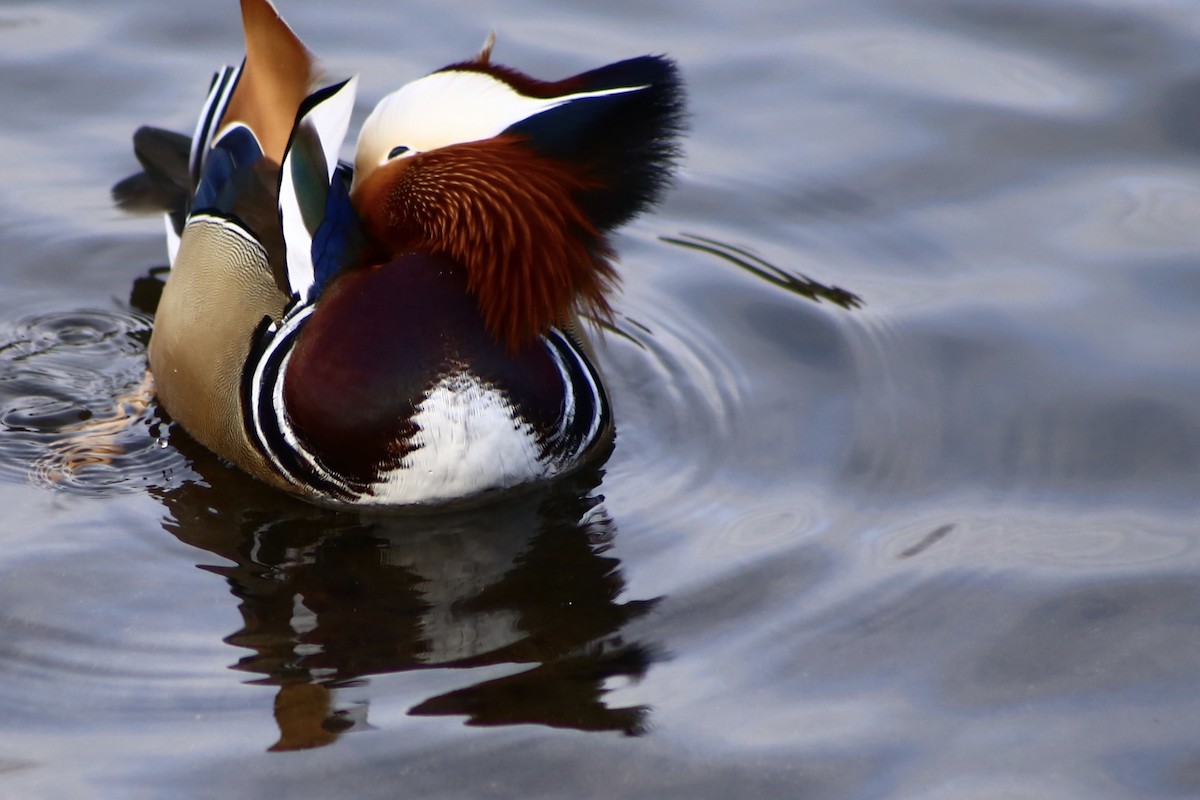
{"points": [[228, 169], [338, 240]]}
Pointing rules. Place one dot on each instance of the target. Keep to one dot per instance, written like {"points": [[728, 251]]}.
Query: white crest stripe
{"points": [[451, 107]]}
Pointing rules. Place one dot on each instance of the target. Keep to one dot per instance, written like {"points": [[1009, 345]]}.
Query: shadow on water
{"points": [[330, 598]]}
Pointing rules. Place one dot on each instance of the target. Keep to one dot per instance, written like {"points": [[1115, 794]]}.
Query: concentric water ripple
{"points": [[75, 410], [685, 391], [702, 426]]}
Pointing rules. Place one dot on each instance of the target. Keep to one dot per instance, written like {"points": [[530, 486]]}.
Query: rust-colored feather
{"points": [[277, 77], [510, 217]]}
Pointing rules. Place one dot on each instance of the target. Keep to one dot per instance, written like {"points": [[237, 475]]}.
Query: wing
{"points": [[320, 226]]}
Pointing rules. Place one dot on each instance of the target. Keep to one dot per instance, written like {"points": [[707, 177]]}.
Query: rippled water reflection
{"points": [[329, 599], [903, 498], [66, 372]]}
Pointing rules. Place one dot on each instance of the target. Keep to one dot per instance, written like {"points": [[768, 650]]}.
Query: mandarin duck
{"points": [[402, 330]]}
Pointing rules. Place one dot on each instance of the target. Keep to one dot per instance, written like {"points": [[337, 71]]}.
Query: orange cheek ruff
{"points": [[509, 216]]}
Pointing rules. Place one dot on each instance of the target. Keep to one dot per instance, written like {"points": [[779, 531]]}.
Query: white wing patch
{"points": [[330, 119]]}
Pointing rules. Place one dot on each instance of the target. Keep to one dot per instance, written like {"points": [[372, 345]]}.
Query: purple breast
{"points": [[379, 339]]}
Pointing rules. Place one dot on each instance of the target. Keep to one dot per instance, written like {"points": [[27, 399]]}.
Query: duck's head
{"points": [[518, 180]]}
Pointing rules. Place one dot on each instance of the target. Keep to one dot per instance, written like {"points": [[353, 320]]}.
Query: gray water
{"points": [[939, 544]]}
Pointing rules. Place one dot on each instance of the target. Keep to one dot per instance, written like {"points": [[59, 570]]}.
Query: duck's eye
{"points": [[398, 150]]}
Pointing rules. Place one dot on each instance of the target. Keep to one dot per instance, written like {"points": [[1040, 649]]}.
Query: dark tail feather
{"points": [[165, 183]]}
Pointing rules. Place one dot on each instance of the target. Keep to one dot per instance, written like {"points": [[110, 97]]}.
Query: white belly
{"points": [[468, 442]]}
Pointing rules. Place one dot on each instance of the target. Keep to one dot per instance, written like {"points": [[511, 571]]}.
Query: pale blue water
{"points": [[940, 546]]}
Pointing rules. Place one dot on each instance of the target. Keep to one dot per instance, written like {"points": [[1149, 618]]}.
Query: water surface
{"points": [[937, 543]]}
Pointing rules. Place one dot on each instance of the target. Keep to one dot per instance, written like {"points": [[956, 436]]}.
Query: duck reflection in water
{"points": [[329, 598]]}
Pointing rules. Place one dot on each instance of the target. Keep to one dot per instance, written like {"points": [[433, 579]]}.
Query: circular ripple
{"points": [[677, 403], [715, 400], [75, 404]]}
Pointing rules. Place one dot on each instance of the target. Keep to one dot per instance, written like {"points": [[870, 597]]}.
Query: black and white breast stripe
{"points": [[586, 412], [267, 421]]}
